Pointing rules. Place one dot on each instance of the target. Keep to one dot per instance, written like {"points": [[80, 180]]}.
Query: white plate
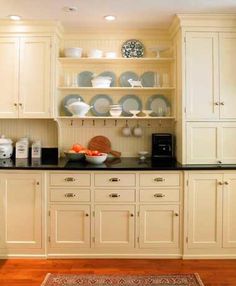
{"points": [[101, 105], [84, 79], [159, 104], [130, 102]]}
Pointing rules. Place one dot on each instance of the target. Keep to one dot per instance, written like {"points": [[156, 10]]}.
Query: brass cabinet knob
{"points": [[176, 214], [69, 179], [216, 103], [226, 183], [159, 179], [222, 103], [86, 214], [220, 183], [69, 195], [131, 215]]}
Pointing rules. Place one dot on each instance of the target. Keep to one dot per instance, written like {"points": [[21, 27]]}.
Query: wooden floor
{"points": [[32, 272]]}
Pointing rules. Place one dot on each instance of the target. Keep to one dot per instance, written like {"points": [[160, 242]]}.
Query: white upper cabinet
{"points": [[210, 76], [9, 76], [202, 90], [227, 68], [35, 74], [26, 77]]}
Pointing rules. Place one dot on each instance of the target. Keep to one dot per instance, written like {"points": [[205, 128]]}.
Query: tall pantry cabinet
{"points": [[27, 69]]}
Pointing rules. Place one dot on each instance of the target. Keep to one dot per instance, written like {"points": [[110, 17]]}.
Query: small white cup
{"points": [[126, 131], [137, 131]]}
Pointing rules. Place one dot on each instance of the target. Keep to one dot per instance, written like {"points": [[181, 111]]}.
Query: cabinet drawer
{"points": [[114, 196], [159, 179], [115, 180], [65, 195], [70, 179], [159, 195]]}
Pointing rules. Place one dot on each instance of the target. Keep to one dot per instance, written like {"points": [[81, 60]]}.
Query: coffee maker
{"points": [[163, 146]]}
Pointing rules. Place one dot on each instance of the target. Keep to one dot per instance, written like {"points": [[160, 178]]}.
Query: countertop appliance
{"points": [[162, 146]]}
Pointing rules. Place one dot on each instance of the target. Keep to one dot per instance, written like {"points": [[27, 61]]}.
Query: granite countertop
{"points": [[132, 164]]}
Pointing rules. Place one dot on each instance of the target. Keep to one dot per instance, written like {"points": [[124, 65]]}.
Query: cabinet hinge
{"points": [[94, 213], [49, 213], [186, 239], [93, 239], [49, 239]]}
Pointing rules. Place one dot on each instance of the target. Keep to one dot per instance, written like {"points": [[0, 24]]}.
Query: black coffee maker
{"points": [[163, 146]]}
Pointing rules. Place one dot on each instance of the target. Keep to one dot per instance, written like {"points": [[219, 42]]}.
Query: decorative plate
{"points": [[101, 105], [148, 79], [132, 49], [111, 74], [125, 76], [67, 100], [84, 79], [130, 102], [158, 104]]}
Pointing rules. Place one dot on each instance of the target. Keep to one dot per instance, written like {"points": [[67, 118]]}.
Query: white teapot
{"points": [[78, 108]]}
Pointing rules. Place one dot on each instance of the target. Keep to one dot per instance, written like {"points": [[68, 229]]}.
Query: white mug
{"points": [[126, 131], [137, 131]]}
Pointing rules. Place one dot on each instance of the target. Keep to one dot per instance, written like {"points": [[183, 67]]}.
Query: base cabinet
{"points": [[114, 226], [21, 215], [69, 226], [210, 216], [159, 226]]}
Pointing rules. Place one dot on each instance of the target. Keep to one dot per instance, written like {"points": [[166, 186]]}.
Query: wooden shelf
{"points": [[116, 88], [64, 60], [120, 117]]}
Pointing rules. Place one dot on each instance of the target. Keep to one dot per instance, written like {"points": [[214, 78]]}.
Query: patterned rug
{"points": [[124, 280]]}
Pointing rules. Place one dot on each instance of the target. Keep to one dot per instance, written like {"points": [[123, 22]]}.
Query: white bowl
{"points": [[101, 82], [96, 54], [73, 52], [74, 156], [115, 112], [96, 159], [110, 55]]}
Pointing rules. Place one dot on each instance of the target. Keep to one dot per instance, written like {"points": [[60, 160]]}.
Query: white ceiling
{"points": [[130, 13]]}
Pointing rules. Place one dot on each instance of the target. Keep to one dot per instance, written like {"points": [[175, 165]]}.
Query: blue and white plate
{"points": [[132, 49], [130, 102], [101, 105], [67, 100], [110, 74], [159, 105], [84, 79], [125, 76], [148, 79]]}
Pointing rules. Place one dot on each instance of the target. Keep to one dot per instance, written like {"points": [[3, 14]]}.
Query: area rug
{"points": [[122, 280]]}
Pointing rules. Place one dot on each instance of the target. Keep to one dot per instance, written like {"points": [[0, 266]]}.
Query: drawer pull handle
{"points": [[114, 195], [69, 179], [69, 195], [159, 179], [159, 195], [114, 179]]}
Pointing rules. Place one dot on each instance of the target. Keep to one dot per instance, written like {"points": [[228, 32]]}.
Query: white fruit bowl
{"points": [[74, 156], [96, 160], [73, 52]]}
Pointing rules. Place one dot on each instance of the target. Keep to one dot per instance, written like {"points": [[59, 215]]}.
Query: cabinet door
{"points": [[202, 83], [227, 69], [35, 77], [9, 71], [204, 210], [21, 211], [159, 226], [202, 143], [229, 211], [227, 142], [114, 226], [70, 226]]}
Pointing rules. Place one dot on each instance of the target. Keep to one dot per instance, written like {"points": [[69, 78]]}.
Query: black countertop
{"points": [[116, 164]]}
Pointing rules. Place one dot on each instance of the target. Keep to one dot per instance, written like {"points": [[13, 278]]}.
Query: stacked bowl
{"points": [[115, 110]]}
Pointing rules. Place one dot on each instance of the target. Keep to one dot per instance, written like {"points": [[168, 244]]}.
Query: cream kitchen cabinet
{"points": [[114, 226], [69, 226], [21, 212], [26, 77], [210, 75], [159, 226], [210, 143], [210, 214]]}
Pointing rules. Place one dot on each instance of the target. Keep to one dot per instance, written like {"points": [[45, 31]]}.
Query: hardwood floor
{"points": [[18, 272]]}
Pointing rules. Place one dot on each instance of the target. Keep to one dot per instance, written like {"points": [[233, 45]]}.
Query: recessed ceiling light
{"points": [[110, 17], [14, 17], [70, 9]]}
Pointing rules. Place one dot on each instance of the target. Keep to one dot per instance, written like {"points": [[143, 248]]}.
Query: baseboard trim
{"points": [[23, 256], [210, 256], [125, 256]]}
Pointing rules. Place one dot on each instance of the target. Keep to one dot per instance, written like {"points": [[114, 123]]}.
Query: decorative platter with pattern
{"points": [[132, 49]]}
